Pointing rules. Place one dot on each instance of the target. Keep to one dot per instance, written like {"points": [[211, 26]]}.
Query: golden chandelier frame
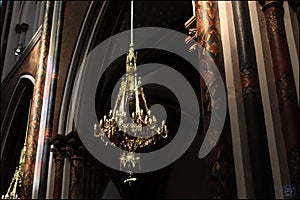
{"points": [[135, 131]]}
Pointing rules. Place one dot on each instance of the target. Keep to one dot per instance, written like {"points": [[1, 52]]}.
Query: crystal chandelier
{"points": [[132, 127]]}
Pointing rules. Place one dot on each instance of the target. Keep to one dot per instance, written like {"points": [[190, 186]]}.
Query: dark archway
{"points": [[13, 130]]}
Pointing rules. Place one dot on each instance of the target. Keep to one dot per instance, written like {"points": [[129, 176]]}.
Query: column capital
{"points": [[58, 149], [74, 147], [268, 4]]}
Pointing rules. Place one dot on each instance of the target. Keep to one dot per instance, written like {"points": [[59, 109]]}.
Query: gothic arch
{"points": [[13, 128]]}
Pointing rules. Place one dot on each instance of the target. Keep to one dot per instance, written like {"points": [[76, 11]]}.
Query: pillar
{"points": [[285, 85], [221, 158], [36, 107], [256, 129]]}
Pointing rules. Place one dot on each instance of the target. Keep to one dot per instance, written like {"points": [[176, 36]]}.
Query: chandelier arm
{"points": [[116, 105], [152, 139], [118, 97], [10, 185], [137, 143], [95, 131], [134, 144], [143, 142], [137, 102], [164, 134], [14, 192], [126, 143], [122, 103], [144, 99]]}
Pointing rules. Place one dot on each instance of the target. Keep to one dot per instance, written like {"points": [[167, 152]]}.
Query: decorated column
{"points": [[221, 158], [59, 153], [36, 107], [76, 153], [51, 86], [285, 85], [256, 129]]}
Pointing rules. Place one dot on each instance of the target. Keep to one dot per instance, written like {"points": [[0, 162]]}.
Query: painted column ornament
{"points": [[76, 153], [36, 106], [209, 38], [285, 85], [59, 154]]}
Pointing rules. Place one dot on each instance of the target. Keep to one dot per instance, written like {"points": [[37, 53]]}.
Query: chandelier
{"points": [[15, 184], [130, 125]]}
